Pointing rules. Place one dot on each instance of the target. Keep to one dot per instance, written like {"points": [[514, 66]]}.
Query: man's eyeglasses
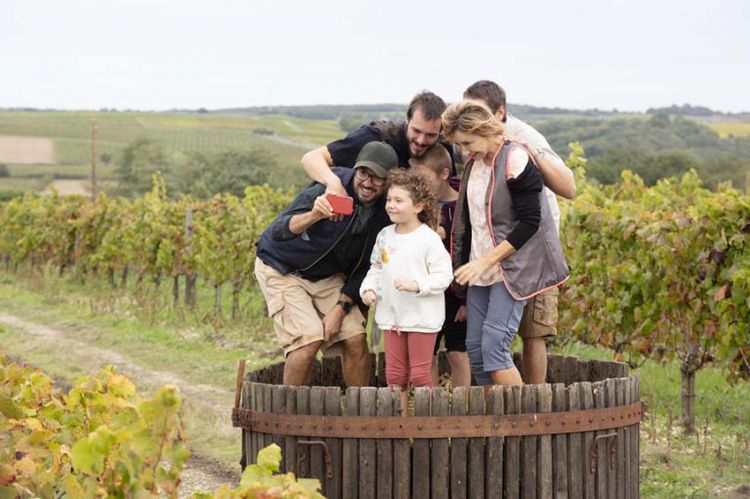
{"points": [[363, 174]]}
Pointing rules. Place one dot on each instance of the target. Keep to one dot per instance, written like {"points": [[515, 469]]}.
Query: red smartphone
{"points": [[342, 205]]}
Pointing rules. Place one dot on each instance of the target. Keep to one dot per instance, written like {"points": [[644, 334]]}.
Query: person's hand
{"points": [[369, 297], [322, 208], [469, 273], [460, 314], [334, 186], [441, 232], [332, 322], [404, 284]]}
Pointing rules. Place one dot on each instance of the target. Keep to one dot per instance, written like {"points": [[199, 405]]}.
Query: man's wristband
{"points": [[345, 305]]}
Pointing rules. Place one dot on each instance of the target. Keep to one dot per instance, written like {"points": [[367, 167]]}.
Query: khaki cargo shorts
{"points": [[298, 305], [539, 318]]}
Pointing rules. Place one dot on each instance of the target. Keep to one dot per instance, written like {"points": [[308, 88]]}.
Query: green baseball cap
{"points": [[378, 157]]}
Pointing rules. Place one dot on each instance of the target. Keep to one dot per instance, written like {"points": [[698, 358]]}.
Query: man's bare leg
{"points": [[506, 377], [460, 368], [356, 361], [299, 362], [534, 360]]}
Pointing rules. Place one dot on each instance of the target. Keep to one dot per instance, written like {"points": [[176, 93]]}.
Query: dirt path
{"points": [[290, 142], [200, 473], [27, 150]]}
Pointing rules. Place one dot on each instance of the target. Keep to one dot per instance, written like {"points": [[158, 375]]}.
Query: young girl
{"points": [[436, 165], [409, 270]]}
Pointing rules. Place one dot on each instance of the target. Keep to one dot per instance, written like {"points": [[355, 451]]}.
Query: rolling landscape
{"points": [[41, 149], [658, 239]]}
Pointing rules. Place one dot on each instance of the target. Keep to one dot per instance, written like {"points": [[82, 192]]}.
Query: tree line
{"points": [[656, 147]]}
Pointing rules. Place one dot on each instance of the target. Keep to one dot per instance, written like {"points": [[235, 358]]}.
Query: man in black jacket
{"points": [[311, 263], [410, 139]]}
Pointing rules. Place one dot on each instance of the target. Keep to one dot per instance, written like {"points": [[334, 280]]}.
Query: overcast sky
{"points": [[161, 54]]}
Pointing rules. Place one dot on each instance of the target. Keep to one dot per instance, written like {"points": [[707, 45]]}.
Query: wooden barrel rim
{"points": [[549, 423]]}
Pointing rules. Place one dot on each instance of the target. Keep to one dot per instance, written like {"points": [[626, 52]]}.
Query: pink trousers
{"points": [[408, 356]]}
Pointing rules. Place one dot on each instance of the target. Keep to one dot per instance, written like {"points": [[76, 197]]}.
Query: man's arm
{"points": [[343, 152], [556, 175], [317, 164], [321, 209]]}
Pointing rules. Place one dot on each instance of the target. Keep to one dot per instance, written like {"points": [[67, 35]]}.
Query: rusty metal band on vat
{"points": [[508, 425]]}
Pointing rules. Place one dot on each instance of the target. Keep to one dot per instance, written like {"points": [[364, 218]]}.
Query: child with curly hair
{"points": [[409, 271]]}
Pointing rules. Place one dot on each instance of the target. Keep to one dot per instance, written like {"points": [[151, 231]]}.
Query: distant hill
{"points": [[320, 111], [683, 110], [335, 112], [663, 142], [693, 111], [653, 147]]}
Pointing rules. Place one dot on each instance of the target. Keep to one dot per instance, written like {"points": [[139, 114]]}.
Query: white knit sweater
{"points": [[419, 256]]}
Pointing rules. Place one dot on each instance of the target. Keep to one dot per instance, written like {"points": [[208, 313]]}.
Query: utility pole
{"points": [[93, 160]]}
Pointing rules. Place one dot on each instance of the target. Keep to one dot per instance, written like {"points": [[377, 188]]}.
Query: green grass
{"points": [[179, 133], [199, 348], [731, 129], [26, 184], [78, 171], [713, 462], [202, 348]]}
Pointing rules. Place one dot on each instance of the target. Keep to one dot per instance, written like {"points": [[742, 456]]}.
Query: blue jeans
{"points": [[492, 319]]}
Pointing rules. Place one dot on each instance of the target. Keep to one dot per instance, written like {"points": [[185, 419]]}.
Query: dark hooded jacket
{"points": [[307, 253]]}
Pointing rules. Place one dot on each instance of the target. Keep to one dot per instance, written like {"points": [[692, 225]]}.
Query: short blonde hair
{"points": [[471, 117]]}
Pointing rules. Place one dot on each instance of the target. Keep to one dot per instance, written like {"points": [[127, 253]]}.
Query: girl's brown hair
{"points": [[471, 117], [418, 187]]}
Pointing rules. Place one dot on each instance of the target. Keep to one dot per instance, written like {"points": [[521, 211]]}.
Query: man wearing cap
{"points": [[310, 264], [410, 139]]}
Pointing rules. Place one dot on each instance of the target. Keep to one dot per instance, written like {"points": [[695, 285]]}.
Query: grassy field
{"points": [[286, 137], [731, 129], [202, 348]]}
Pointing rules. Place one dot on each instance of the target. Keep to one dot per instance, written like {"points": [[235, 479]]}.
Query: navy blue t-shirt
{"points": [[344, 151]]}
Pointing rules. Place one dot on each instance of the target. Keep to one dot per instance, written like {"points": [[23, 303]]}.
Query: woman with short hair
{"points": [[505, 246]]}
